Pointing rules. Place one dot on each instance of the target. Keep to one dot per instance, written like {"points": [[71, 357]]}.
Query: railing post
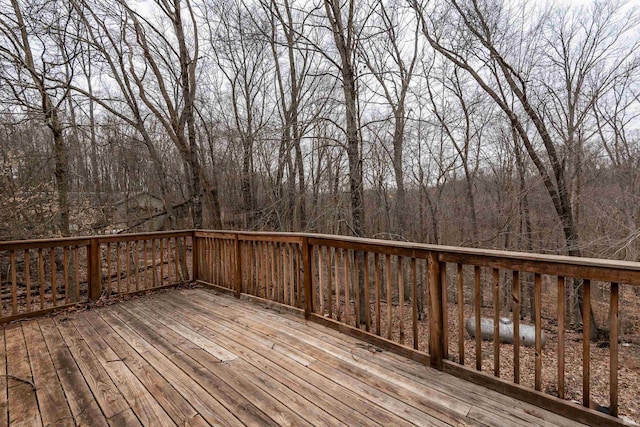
{"points": [[93, 266], [195, 259], [436, 317], [238, 261], [308, 288]]}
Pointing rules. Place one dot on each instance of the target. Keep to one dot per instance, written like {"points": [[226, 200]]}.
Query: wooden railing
{"points": [[409, 298], [39, 276], [414, 299]]}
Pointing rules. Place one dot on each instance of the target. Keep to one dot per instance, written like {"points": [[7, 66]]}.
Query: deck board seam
{"points": [[359, 380], [266, 373], [265, 392], [224, 404], [495, 409], [162, 356]]}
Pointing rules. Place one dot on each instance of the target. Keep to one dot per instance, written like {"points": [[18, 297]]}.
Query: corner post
{"points": [[238, 262], [93, 265], [307, 278], [436, 318]]}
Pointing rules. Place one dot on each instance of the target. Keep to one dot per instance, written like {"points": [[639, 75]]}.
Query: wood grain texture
{"points": [[194, 357]]}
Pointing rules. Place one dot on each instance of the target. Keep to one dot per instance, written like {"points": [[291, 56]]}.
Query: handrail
{"points": [[410, 298], [48, 274]]}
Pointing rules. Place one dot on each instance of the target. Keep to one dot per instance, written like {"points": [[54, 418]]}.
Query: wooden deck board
{"points": [[84, 408], [494, 405], [178, 408], [51, 400], [4, 403], [23, 406], [344, 405], [270, 396], [193, 357], [411, 395]]}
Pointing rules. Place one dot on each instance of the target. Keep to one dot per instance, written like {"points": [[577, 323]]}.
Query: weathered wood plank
{"points": [[200, 398], [82, 403], [52, 403], [162, 390], [265, 355], [4, 402], [104, 390], [23, 406], [391, 392], [322, 380], [268, 394], [455, 387], [212, 398], [146, 408]]}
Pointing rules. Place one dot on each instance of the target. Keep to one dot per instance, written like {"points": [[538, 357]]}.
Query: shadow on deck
{"points": [[195, 357]]}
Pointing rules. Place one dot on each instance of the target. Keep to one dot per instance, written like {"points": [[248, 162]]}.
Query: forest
{"points": [[494, 124]]}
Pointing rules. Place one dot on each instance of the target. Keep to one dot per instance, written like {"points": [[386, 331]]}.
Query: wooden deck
{"points": [[193, 357]]}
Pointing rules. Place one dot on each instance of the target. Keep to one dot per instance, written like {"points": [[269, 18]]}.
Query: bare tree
{"points": [[38, 73]]}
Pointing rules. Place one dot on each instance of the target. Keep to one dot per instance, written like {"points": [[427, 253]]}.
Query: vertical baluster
{"points": [[185, 266], [145, 265], [108, 248], [496, 322], [274, 272], [400, 271], [211, 259], [367, 292], [285, 276], [445, 309], [292, 279], [389, 296], [347, 286], [41, 276], [586, 343], [355, 282], [27, 279], [54, 284], [76, 259], [321, 279], [299, 280], [247, 256], [330, 255], [516, 327], [176, 256], [65, 273], [414, 302], [161, 249], [264, 271], [225, 264], [376, 278], [460, 314], [14, 289], [538, 310], [478, 307], [154, 265], [278, 254], [613, 350], [118, 269], [561, 328], [136, 261], [264, 266], [338, 296], [127, 261]]}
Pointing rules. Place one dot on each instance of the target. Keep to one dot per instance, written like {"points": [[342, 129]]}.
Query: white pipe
{"points": [[527, 332]]}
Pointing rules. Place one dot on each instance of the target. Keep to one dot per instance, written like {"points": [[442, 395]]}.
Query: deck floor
{"points": [[194, 357]]}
